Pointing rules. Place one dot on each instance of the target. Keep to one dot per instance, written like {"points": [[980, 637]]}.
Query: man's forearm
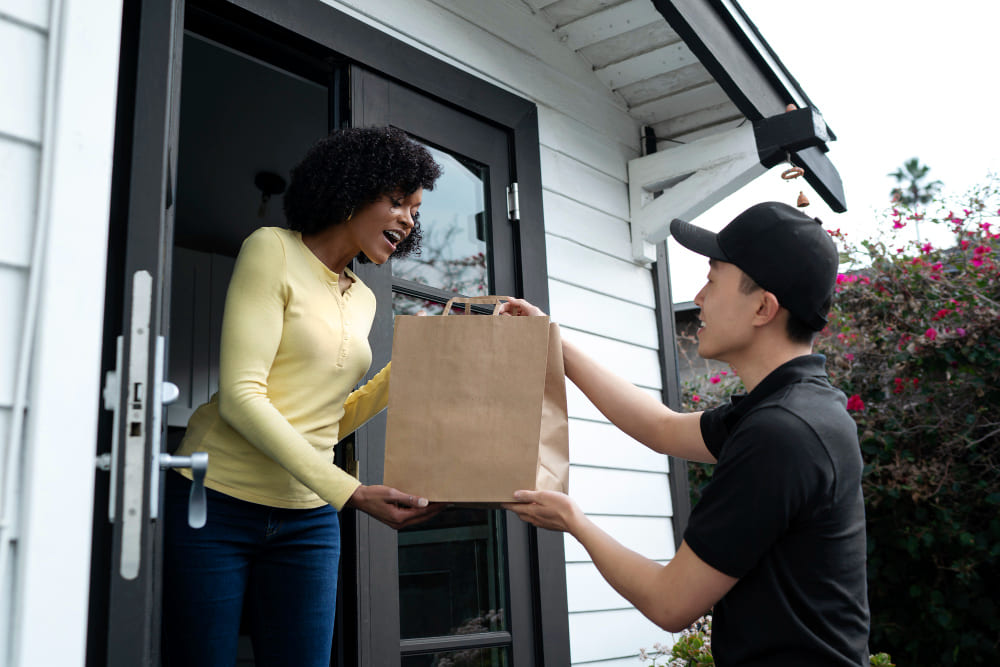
{"points": [[633, 410]]}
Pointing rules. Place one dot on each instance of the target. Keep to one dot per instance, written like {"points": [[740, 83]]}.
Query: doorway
{"points": [[253, 97]]}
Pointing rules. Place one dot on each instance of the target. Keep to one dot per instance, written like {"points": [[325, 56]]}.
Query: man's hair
{"points": [[797, 330]]}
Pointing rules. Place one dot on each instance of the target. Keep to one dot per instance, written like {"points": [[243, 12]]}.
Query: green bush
{"points": [[694, 649], [914, 342]]}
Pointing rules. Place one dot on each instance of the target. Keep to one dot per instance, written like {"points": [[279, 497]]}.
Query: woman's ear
{"points": [[767, 308]]}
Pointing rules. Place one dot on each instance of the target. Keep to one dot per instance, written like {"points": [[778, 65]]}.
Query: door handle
{"points": [[197, 503], [138, 470]]}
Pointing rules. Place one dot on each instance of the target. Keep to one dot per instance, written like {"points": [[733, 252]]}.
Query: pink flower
{"points": [[931, 334], [960, 331], [941, 313], [855, 403], [897, 224], [724, 373], [926, 248], [982, 250], [977, 261], [849, 356], [715, 379], [696, 398], [964, 243]]}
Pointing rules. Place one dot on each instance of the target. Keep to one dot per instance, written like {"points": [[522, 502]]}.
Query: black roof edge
{"points": [[725, 49]]}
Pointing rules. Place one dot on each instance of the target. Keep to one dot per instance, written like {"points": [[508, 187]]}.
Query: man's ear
{"points": [[767, 309]]}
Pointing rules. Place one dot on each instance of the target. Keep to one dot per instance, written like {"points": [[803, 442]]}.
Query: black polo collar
{"points": [[790, 372]]}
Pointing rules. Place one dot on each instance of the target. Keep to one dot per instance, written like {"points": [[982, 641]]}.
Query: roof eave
{"points": [[729, 45]]}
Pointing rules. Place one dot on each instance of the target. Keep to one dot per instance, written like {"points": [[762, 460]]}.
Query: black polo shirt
{"points": [[784, 513]]}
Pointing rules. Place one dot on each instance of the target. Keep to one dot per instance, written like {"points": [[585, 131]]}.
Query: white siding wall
{"points": [[57, 84], [603, 301]]}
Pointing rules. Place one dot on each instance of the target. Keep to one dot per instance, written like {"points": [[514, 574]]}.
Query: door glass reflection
{"points": [[455, 226], [474, 657], [452, 572]]}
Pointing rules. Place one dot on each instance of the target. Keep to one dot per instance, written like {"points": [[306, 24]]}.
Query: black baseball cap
{"points": [[784, 250]]}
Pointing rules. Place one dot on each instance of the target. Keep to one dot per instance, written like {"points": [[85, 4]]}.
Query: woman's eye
{"points": [[415, 215], [395, 203]]}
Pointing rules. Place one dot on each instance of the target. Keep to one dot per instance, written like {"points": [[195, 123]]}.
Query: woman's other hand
{"points": [[520, 307], [393, 507]]}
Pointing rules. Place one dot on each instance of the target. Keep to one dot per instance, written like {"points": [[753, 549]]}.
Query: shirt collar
{"points": [[790, 372]]}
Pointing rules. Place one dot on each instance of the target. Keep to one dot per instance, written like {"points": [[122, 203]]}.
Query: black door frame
{"points": [[125, 565]]}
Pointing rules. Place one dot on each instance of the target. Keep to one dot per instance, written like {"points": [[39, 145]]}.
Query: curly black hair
{"points": [[352, 168]]}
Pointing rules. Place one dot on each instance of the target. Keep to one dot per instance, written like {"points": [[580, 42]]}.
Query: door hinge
{"points": [[513, 203]]}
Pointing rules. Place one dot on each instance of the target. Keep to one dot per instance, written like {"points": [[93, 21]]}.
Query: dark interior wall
{"points": [[239, 116]]}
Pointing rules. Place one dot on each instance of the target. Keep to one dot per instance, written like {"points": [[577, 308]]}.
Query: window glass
{"points": [[455, 227]]}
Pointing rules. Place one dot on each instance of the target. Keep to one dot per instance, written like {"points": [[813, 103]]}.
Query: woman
{"points": [[294, 344]]}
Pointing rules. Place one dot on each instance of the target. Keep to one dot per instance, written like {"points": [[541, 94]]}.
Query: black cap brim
{"points": [[700, 240]]}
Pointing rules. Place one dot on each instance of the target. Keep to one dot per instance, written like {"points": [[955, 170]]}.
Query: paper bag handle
{"points": [[469, 300]]}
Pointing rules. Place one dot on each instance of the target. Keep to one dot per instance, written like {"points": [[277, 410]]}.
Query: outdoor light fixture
{"points": [[789, 132]]}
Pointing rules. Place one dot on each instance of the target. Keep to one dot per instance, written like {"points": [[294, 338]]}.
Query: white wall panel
{"points": [[566, 135], [33, 12], [489, 51], [579, 406], [586, 226], [22, 77], [576, 264], [651, 536], [638, 365], [606, 446], [606, 635], [13, 287], [604, 315], [587, 590], [18, 192], [622, 492], [630, 661], [573, 179]]}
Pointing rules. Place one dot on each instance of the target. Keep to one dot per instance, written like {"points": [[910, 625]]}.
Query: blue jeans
{"points": [[283, 562]]}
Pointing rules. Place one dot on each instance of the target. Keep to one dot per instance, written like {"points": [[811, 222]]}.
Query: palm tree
{"points": [[911, 191]]}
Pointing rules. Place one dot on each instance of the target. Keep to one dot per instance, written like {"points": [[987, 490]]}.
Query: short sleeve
{"points": [[771, 474], [714, 430]]}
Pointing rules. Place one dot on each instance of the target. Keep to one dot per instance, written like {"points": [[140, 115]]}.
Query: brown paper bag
{"points": [[477, 406]]}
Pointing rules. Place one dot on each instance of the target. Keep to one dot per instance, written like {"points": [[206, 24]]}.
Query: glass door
{"points": [[461, 593]]}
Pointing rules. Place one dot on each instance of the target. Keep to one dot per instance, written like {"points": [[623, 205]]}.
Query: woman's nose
{"points": [[407, 218]]}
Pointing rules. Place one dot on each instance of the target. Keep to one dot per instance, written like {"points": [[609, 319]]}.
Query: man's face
{"points": [[726, 314]]}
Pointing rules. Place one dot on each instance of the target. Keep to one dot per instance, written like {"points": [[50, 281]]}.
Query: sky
{"points": [[894, 79]]}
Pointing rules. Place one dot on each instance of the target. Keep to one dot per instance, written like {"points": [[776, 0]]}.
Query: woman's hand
{"points": [[393, 507], [547, 509], [520, 307]]}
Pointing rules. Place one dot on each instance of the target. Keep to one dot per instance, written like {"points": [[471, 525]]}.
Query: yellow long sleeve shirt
{"points": [[292, 349]]}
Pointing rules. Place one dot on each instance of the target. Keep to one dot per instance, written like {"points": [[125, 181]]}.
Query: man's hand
{"points": [[519, 307], [547, 509], [393, 507]]}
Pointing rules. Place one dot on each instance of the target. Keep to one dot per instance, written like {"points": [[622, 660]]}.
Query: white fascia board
{"points": [[57, 499], [692, 178]]}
